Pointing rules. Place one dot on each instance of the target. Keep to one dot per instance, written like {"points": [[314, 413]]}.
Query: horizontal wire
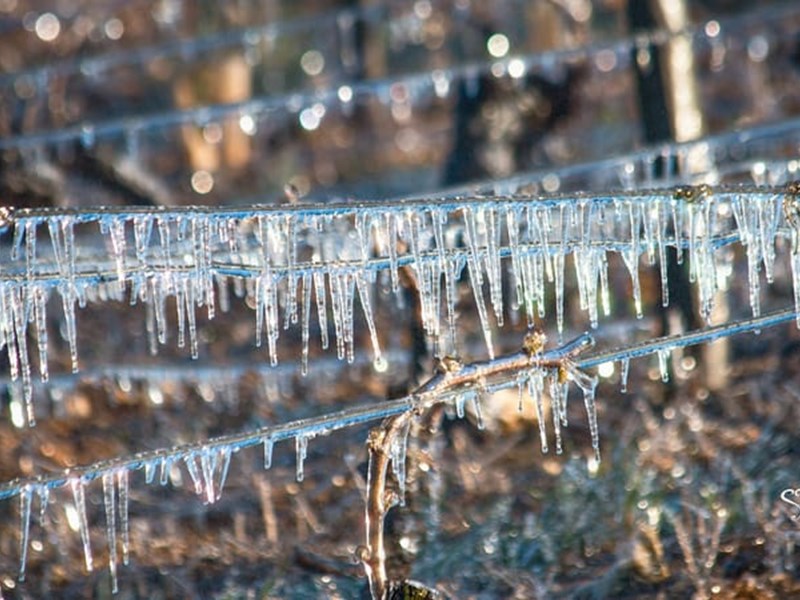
{"points": [[547, 60], [691, 338], [325, 424], [191, 48], [90, 271], [440, 203]]}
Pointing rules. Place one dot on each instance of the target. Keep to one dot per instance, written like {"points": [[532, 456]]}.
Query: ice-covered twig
{"points": [[387, 443], [380, 499]]}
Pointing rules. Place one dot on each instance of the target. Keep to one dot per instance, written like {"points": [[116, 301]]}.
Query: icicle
{"points": [[791, 212], [322, 311], [111, 526], [630, 257], [78, 494], [122, 484], [493, 264], [115, 227], [44, 497], [677, 228], [476, 277], [605, 297], [190, 312], [563, 400], [203, 268], [301, 443], [25, 501], [166, 467], [40, 318], [451, 276], [663, 368], [391, 237], [19, 235], [223, 473], [625, 365], [191, 467], [150, 326], [268, 444], [142, 230], [64, 247], [555, 408], [536, 392], [768, 228], [477, 400], [19, 317], [460, 400], [660, 226], [591, 414], [517, 268], [30, 247], [149, 471], [366, 306], [305, 317], [558, 267], [399, 450], [208, 465]]}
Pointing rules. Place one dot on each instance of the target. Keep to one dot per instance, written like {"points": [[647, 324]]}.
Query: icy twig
{"points": [[379, 500]]}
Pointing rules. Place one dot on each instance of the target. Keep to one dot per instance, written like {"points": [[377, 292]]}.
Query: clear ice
{"points": [[288, 259]]}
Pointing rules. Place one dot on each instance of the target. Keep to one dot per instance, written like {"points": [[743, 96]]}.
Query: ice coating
{"points": [[277, 255]]}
